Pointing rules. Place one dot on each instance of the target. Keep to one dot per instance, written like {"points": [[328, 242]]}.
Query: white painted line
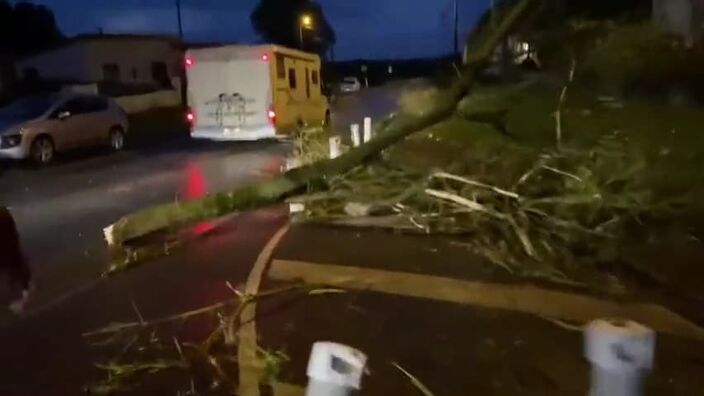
{"points": [[249, 367], [521, 298]]}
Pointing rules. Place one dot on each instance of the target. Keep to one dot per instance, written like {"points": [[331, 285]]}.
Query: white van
{"points": [[238, 92]]}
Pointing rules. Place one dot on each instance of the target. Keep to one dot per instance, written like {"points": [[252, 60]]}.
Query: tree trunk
{"points": [[129, 230]]}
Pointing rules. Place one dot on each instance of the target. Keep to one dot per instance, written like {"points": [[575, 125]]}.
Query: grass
{"points": [[521, 202], [668, 137]]}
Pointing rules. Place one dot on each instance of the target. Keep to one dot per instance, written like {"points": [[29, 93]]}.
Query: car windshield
{"points": [[28, 107], [351, 79]]}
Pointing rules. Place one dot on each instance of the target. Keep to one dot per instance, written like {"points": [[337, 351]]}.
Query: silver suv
{"points": [[36, 127]]}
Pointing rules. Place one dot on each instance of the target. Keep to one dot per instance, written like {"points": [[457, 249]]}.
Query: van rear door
{"points": [[229, 94]]}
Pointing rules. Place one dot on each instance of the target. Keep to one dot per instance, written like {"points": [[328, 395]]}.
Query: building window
{"points": [[111, 72], [292, 78], [160, 74], [280, 67], [314, 77], [134, 73]]}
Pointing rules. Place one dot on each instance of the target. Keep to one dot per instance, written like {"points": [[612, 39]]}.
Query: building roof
{"points": [[228, 51], [83, 38], [102, 36]]}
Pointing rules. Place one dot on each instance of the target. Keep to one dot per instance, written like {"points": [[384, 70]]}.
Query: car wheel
{"points": [[117, 139], [326, 121], [42, 151]]}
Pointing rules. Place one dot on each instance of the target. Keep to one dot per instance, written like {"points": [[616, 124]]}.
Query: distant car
{"points": [[37, 127], [350, 84]]}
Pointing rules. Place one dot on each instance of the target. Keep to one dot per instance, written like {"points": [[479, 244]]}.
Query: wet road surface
{"points": [[61, 210]]}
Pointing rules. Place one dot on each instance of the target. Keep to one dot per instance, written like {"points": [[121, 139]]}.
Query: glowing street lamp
{"points": [[306, 22]]}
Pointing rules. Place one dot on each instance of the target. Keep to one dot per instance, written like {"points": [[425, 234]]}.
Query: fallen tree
{"points": [[129, 237]]}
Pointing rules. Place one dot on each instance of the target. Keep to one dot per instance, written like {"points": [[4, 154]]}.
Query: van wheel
{"points": [[42, 151], [117, 139]]}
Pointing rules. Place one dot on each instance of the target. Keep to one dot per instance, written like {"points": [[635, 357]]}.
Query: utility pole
{"points": [[456, 31], [182, 46], [180, 22]]}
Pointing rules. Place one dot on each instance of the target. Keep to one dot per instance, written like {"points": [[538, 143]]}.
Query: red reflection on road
{"points": [[195, 181], [195, 188], [202, 228]]}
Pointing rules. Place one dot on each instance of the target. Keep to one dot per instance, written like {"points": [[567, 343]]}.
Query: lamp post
{"points": [[306, 22]]}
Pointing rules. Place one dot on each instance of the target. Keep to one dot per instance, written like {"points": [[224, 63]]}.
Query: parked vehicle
{"points": [[240, 92], [350, 84], [37, 127]]}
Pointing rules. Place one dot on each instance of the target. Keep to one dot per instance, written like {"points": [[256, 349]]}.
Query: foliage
{"points": [[640, 58], [531, 219], [279, 22], [147, 349], [26, 27]]}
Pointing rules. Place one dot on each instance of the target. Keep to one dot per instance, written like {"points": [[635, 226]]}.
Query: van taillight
{"points": [[190, 118], [271, 115], [188, 61]]}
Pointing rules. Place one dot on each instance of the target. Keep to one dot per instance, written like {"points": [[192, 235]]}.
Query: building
{"points": [[144, 61]]}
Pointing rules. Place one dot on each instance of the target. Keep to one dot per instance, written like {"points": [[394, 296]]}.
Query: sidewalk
{"points": [[460, 326]]}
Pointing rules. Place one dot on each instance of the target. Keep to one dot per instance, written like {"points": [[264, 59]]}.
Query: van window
{"points": [[280, 67], [314, 77], [307, 83], [292, 78]]}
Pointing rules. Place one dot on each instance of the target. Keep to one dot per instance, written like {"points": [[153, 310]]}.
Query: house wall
{"points": [[64, 63], [154, 100], [83, 60], [134, 59]]}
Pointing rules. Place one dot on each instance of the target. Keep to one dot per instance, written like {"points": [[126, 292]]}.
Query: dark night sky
{"points": [[365, 28]]}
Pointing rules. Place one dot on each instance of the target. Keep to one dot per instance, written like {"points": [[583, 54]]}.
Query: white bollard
{"points": [[334, 370], [335, 147], [293, 163], [621, 353], [367, 129], [354, 129]]}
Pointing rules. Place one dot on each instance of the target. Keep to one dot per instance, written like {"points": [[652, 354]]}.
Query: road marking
{"points": [[249, 367], [521, 298]]}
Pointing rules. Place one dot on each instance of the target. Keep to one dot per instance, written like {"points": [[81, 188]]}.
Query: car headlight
{"points": [[9, 141]]}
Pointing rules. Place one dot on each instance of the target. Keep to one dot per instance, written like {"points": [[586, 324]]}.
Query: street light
{"points": [[305, 23]]}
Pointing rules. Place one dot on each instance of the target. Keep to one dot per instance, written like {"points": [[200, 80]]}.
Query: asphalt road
{"points": [[61, 210]]}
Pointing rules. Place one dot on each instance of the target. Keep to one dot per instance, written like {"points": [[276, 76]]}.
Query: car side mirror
{"points": [[62, 115]]}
